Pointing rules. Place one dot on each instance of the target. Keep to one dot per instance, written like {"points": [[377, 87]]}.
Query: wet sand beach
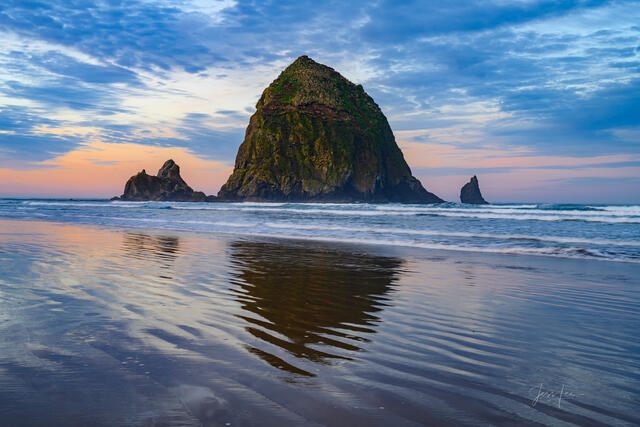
{"points": [[117, 326]]}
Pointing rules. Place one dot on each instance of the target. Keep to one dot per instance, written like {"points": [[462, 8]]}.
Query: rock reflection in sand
{"points": [[313, 303]]}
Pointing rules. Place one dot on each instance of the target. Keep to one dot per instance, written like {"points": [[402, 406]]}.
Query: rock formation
{"points": [[470, 193], [318, 137], [167, 186]]}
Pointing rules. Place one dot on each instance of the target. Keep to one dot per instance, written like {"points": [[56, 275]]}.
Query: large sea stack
{"points": [[318, 137], [167, 186], [470, 193]]}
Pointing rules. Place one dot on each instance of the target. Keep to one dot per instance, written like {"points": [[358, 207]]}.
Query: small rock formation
{"points": [[315, 136], [470, 193], [167, 186]]}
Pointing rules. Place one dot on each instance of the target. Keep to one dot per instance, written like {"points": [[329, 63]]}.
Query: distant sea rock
{"points": [[470, 193], [318, 137], [167, 186]]}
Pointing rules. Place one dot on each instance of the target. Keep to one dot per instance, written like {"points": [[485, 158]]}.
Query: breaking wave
{"points": [[606, 232]]}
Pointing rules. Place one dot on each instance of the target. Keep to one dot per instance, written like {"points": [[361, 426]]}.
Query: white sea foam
{"points": [[547, 217], [266, 204], [378, 230], [563, 252], [622, 210], [506, 211], [296, 210], [383, 230], [514, 206], [607, 214], [179, 221], [603, 232], [571, 252], [86, 204], [543, 215], [528, 212]]}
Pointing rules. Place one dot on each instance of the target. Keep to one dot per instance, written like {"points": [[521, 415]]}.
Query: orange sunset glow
{"points": [[100, 169]]}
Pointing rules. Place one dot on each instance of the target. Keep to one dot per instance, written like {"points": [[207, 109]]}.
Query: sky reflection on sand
{"points": [[127, 327]]}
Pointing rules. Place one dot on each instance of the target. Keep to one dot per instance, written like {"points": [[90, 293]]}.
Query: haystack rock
{"points": [[315, 136], [167, 186], [470, 193]]}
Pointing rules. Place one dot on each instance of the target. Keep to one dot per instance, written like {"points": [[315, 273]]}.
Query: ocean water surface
{"points": [[605, 232], [286, 314]]}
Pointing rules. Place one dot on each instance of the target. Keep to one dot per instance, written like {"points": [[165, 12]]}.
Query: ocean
{"points": [[598, 232], [255, 314]]}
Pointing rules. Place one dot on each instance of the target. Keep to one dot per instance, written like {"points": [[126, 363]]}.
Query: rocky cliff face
{"points": [[168, 185], [470, 193], [318, 137]]}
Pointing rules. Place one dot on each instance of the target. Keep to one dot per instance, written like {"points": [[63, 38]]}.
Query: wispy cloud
{"points": [[554, 80]]}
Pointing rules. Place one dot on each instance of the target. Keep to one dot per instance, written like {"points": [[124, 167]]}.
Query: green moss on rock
{"points": [[315, 136]]}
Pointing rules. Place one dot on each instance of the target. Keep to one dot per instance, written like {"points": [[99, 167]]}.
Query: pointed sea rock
{"points": [[315, 136], [470, 193], [168, 185]]}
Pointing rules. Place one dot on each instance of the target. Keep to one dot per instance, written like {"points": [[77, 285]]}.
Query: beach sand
{"points": [[106, 326]]}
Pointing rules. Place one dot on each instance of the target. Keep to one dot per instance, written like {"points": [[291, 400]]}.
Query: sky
{"points": [[539, 99]]}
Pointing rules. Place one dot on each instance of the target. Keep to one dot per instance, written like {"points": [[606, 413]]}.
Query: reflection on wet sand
{"points": [[109, 327], [315, 304], [162, 250]]}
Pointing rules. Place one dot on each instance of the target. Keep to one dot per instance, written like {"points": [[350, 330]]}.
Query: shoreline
{"points": [[333, 240], [107, 199]]}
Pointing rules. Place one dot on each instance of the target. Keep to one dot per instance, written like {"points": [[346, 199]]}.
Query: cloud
{"points": [[63, 93], [22, 145], [198, 131], [67, 66], [133, 34], [436, 18], [535, 78]]}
